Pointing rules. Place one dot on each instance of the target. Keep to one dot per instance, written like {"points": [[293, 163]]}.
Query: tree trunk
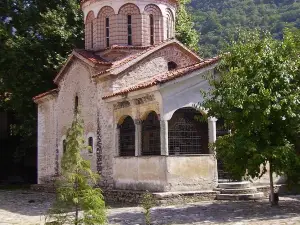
{"points": [[76, 214], [271, 197]]}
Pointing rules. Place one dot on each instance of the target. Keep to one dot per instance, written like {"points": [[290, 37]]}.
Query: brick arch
{"points": [[89, 30], [129, 8], [106, 11], [153, 9], [90, 17], [170, 23], [170, 13]]}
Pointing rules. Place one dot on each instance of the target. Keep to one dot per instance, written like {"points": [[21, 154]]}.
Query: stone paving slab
{"points": [[29, 208]]}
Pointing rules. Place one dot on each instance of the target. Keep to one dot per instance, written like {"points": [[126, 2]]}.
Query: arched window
{"points": [[64, 146], [89, 30], [151, 30], [151, 135], [76, 104], [129, 28], [155, 20], [91, 144], [107, 31], [172, 65], [187, 135], [127, 137]]}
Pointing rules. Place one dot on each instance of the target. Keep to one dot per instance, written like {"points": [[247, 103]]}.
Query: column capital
{"points": [[212, 119], [137, 121]]}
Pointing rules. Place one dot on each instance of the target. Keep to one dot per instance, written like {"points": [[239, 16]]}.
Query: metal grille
{"points": [[127, 137], [186, 135], [151, 135]]}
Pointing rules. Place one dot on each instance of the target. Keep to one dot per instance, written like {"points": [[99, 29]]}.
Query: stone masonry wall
{"points": [[46, 141], [77, 82]]}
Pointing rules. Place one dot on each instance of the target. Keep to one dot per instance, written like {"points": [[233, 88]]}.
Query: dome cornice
{"points": [[175, 2]]}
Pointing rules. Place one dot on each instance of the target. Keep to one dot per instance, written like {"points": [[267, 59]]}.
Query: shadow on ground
{"points": [[215, 212], [27, 203]]}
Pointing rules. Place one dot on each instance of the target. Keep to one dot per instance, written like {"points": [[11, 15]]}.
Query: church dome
{"points": [[128, 23]]}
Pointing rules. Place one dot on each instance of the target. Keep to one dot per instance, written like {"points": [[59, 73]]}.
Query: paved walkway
{"points": [[28, 208]]}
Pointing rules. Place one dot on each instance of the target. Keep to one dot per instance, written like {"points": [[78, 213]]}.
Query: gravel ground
{"points": [[29, 208]]}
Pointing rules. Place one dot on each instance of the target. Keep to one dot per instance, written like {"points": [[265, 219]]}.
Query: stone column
{"points": [[138, 137], [164, 137], [212, 132]]}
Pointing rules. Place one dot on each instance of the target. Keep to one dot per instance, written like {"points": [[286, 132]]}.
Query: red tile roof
{"points": [[53, 91], [91, 56], [165, 77]]}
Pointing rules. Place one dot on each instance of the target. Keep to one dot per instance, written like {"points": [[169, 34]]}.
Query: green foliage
{"points": [[185, 31], [35, 39], [75, 189], [258, 96], [148, 202], [216, 20]]}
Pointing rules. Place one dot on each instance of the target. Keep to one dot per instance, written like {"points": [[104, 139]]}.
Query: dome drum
{"points": [[135, 23]]}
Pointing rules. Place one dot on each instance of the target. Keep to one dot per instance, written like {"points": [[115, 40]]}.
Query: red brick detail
{"points": [[51, 92], [163, 78], [106, 11], [153, 9], [129, 9]]}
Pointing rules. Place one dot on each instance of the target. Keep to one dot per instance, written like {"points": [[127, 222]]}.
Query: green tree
{"points": [[35, 39], [75, 189], [258, 95], [185, 31]]}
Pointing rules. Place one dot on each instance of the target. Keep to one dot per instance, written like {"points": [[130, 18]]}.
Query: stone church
{"points": [[135, 85]]}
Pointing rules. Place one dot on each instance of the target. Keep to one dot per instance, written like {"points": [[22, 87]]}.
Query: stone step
{"points": [[250, 190], [235, 185], [237, 197]]}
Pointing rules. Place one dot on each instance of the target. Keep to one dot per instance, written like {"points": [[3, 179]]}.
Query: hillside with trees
{"points": [[217, 20]]}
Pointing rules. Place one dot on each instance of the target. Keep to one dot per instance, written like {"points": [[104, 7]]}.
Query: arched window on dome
{"points": [[89, 31], [151, 29], [154, 34], [131, 14], [104, 26]]}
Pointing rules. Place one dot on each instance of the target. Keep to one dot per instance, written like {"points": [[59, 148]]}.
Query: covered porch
{"points": [[161, 143]]}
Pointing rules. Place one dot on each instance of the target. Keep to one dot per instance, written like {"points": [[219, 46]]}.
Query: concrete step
{"points": [[235, 185], [250, 190], [237, 197]]}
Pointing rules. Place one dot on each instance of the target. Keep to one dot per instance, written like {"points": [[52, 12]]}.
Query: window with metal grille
{"points": [[129, 27], [151, 30], [91, 144], [151, 135], [187, 135], [107, 31], [127, 137]]}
